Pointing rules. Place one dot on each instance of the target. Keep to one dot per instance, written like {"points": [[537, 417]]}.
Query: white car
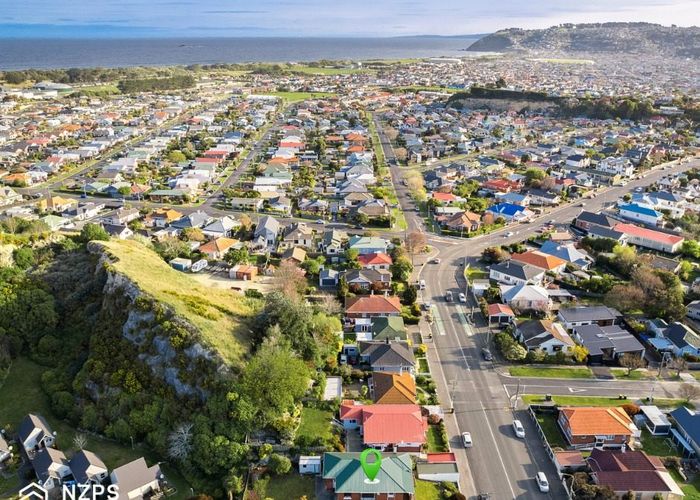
{"points": [[467, 439], [462, 297], [518, 429], [508, 234], [542, 482], [320, 221]]}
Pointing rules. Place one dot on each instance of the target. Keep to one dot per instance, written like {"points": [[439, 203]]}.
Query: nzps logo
{"points": [[33, 492]]}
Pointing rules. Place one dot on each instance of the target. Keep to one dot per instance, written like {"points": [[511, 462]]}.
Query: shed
{"points": [[334, 388], [655, 420], [438, 472], [243, 272], [181, 264], [309, 464]]}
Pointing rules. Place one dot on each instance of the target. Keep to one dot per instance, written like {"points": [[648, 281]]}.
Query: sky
{"points": [[242, 18]]}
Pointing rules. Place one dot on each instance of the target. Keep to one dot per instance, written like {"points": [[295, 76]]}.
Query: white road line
{"points": [[495, 443]]}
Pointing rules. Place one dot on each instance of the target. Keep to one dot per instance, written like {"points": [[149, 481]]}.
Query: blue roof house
{"points": [[688, 429], [639, 213], [509, 211]]}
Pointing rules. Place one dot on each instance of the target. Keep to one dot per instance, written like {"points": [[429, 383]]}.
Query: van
{"points": [[542, 482], [518, 428], [421, 284]]}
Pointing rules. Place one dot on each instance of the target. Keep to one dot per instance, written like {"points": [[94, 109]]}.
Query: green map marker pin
{"points": [[371, 469]]}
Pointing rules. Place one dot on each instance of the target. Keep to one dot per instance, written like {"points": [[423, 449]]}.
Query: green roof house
{"points": [[388, 328], [343, 477]]}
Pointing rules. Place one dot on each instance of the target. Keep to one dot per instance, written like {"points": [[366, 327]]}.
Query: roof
{"points": [[539, 259], [567, 252], [377, 304], [387, 423], [638, 209], [367, 242], [588, 313], [631, 471], [502, 309], [43, 460], [538, 331], [395, 474], [82, 462], [517, 269], [388, 327], [689, 421], [134, 475], [387, 353], [394, 388], [434, 458], [597, 219], [649, 234], [374, 259], [596, 338], [682, 336], [31, 422], [508, 209], [598, 421]]}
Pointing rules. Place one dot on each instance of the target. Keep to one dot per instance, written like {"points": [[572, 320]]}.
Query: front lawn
{"points": [[549, 425], [423, 365], [551, 372], [315, 424], [538, 399], [621, 373], [291, 487], [434, 440], [658, 446]]}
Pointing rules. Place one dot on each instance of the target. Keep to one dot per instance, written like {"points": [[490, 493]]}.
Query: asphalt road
{"points": [[499, 463]]}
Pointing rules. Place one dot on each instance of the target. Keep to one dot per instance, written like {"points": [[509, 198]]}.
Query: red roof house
{"points": [[387, 427], [375, 261]]}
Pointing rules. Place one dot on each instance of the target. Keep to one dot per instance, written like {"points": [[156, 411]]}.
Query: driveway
{"points": [[602, 372], [353, 441]]}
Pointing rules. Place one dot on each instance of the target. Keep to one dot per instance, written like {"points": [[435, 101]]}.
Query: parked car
{"points": [[448, 296], [436, 260], [487, 354], [519, 429], [320, 221], [508, 234], [462, 297], [467, 439], [542, 482], [427, 305]]}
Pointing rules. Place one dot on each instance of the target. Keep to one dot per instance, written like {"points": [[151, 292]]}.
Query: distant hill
{"points": [[630, 38]]}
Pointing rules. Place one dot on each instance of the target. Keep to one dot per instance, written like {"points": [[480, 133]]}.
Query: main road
{"points": [[499, 463]]}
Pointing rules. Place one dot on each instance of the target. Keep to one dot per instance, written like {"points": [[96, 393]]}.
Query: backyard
{"points": [[550, 427], [692, 489], [291, 487], [434, 440], [315, 424], [659, 446]]}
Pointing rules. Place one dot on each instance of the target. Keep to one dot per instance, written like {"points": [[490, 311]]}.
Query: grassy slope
{"points": [[599, 401], [218, 314], [551, 372], [315, 423]]}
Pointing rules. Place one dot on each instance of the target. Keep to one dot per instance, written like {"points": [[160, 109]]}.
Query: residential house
{"points": [[222, 227], [375, 261], [687, 427], [84, 211], [372, 306], [392, 388], [343, 477], [88, 468], [626, 470], [386, 427], [163, 217], [461, 221], [500, 314], [332, 242], [585, 220], [123, 216], [542, 260], [607, 343], [368, 244], [243, 272], [136, 480], [516, 273], [544, 335], [118, 231], [640, 213], [569, 253], [540, 197], [217, 248], [526, 297], [296, 234], [572, 317], [650, 238], [510, 212], [597, 427], [386, 356], [196, 219], [34, 433], [266, 232], [296, 255], [247, 204], [387, 328], [694, 310], [51, 467], [684, 339], [8, 196], [368, 279], [5, 449]]}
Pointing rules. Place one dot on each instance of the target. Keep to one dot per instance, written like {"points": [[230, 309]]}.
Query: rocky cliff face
{"points": [[169, 345], [630, 38]]}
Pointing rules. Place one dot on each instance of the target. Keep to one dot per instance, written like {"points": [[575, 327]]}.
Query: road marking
{"points": [[437, 320], [573, 389], [498, 451]]}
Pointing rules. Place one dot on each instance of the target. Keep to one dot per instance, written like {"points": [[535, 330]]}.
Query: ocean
{"points": [[111, 53]]}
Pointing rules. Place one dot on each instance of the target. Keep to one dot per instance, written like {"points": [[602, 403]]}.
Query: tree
{"points": [[493, 255], [410, 294], [176, 156], [579, 353], [279, 464], [24, 257], [237, 256], [233, 484], [679, 364], [180, 442], [625, 258], [80, 441], [290, 279], [401, 269], [415, 242], [515, 352], [689, 392], [93, 232], [625, 298], [274, 380], [313, 266], [192, 234], [631, 362]]}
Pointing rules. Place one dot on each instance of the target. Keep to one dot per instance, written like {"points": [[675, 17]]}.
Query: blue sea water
{"points": [[110, 53]]}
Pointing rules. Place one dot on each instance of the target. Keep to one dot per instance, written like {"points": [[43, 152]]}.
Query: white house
{"points": [[136, 479]]}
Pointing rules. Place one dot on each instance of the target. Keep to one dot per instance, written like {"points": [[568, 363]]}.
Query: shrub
{"points": [[631, 409]]}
